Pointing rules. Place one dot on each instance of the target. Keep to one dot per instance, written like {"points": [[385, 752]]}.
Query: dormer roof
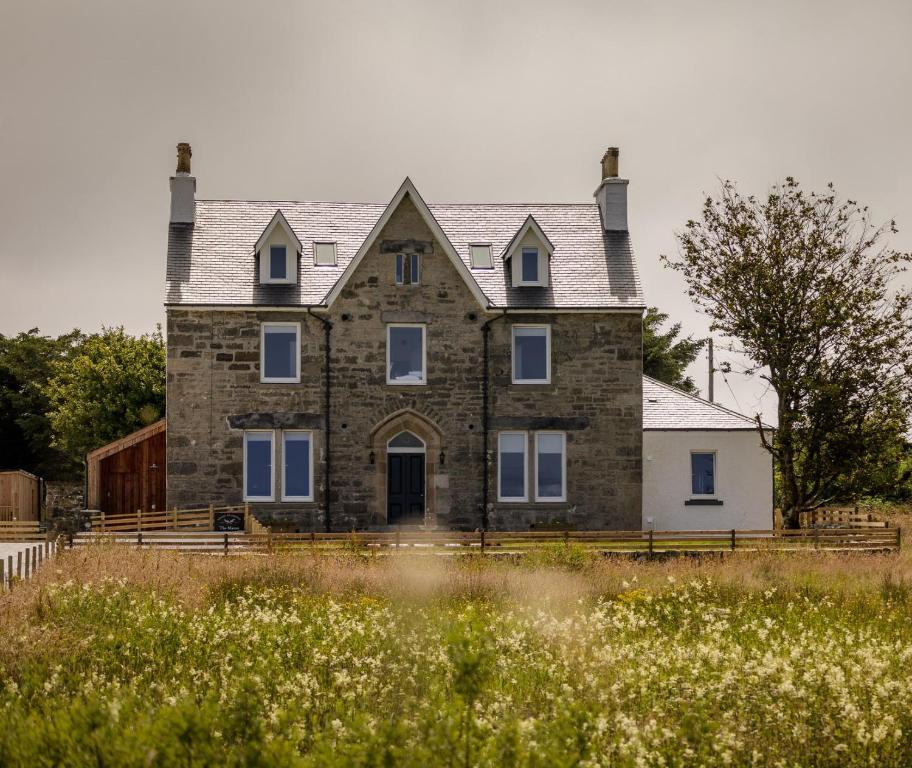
{"points": [[278, 220], [529, 224]]}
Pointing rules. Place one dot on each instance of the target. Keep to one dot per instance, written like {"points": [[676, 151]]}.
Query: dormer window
{"points": [[277, 251], [278, 262], [528, 255], [529, 266]]}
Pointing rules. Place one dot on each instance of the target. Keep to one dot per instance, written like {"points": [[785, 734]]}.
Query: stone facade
{"points": [[595, 397]]}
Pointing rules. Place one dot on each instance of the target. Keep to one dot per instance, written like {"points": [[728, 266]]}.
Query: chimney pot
{"points": [[183, 158], [609, 163]]}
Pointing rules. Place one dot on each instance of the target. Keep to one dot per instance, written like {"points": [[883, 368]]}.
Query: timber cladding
{"points": [[19, 496], [129, 474], [595, 397]]}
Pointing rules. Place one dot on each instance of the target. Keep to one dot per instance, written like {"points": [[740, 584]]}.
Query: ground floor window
{"points": [[297, 466], [258, 463], [550, 466], [703, 474], [511, 466]]}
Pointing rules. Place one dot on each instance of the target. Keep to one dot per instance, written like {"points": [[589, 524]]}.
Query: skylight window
{"points": [[481, 256], [325, 254]]}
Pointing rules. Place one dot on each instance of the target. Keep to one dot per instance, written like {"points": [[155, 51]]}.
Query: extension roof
{"points": [[668, 408], [211, 262]]}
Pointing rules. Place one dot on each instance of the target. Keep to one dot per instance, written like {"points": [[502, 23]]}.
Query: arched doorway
{"points": [[405, 479]]}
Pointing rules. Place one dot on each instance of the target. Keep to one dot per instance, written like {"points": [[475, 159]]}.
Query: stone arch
{"points": [[408, 420]]}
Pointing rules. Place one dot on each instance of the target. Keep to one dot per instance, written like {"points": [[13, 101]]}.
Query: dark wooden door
{"points": [[405, 488]]}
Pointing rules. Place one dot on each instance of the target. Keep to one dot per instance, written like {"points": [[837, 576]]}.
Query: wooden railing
{"points": [[200, 519], [21, 530], [839, 517], [491, 542]]}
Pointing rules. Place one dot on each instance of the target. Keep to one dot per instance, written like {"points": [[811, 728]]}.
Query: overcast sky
{"points": [[476, 101]]}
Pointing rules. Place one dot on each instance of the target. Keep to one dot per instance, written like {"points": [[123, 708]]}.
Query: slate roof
{"points": [[213, 261], [665, 407]]}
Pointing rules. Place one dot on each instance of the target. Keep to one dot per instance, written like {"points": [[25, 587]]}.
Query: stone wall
{"points": [[595, 396]]}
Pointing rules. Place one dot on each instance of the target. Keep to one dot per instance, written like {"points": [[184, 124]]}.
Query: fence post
{"points": [[2, 579], [174, 518], [248, 523], [898, 537], [34, 558], [733, 539], [482, 540], [650, 542], [138, 519], [9, 562], [26, 574], [102, 521], [269, 541], [139, 539], [211, 516], [40, 554], [226, 543], [566, 538]]}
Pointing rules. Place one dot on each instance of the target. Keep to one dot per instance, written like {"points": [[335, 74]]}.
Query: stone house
{"points": [[347, 365]]}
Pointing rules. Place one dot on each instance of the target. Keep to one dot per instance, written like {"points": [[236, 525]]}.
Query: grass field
{"points": [[119, 658]]}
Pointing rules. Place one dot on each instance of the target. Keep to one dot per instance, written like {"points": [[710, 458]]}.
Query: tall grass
{"points": [[113, 657]]}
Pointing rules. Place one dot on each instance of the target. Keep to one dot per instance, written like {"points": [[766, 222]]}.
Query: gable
{"points": [[408, 190], [278, 235]]}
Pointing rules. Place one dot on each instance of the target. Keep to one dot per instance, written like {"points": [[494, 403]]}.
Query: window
{"points": [[258, 455], [703, 474], [405, 354], [529, 266], [278, 262], [408, 269], [297, 467], [511, 466], [280, 345], [481, 256], [405, 442], [550, 466], [531, 354], [325, 254]]}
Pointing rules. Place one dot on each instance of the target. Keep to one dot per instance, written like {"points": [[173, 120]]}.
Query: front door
{"points": [[405, 489]]}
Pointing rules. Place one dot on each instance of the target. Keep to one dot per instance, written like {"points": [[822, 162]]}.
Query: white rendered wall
{"points": [[744, 481]]}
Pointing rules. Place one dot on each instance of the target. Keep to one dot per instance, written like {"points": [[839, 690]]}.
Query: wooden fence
{"points": [[200, 519], [839, 517], [30, 555], [492, 542], [21, 530]]}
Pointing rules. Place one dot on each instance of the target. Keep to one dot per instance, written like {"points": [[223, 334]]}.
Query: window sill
{"points": [[703, 502], [280, 381]]}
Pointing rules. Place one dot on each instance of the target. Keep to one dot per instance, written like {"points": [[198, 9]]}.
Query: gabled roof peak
{"points": [[278, 220], [529, 224]]}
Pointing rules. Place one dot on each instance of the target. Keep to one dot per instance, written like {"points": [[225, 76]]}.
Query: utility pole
{"points": [[711, 370]]}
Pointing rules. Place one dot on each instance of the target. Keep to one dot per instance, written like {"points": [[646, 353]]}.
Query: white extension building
{"points": [[704, 467]]}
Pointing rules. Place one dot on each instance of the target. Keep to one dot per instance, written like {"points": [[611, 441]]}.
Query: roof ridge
{"points": [[703, 400], [382, 205]]}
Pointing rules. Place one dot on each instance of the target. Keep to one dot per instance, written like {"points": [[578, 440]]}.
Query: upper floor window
{"points": [[481, 256], [325, 254], [405, 354], [278, 262], [703, 474], [408, 269], [531, 354], [529, 266], [280, 352]]}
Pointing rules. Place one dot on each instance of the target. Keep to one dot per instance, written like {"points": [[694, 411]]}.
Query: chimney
{"points": [[612, 194], [183, 188]]}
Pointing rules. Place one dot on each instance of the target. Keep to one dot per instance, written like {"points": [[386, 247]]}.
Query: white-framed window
{"points": [[259, 458], [406, 354], [512, 448], [297, 465], [325, 254], [531, 354], [280, 353], [550, 466], [480, 255], [278, 262], [529, 266], [703, 473], [408, 269]]}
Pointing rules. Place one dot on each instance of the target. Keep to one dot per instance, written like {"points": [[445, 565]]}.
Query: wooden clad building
{"points": [[128, 474], [20, 496]]}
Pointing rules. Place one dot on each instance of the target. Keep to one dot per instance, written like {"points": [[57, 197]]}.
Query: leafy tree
{"points": [[112, 386], [806, 285], [26, 363], [665, 357]]}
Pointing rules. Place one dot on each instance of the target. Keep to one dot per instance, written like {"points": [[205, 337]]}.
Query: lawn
{"points": [[118, 658]]}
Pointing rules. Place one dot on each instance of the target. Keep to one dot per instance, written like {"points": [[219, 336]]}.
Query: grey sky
{"points": [[476, 101]]}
